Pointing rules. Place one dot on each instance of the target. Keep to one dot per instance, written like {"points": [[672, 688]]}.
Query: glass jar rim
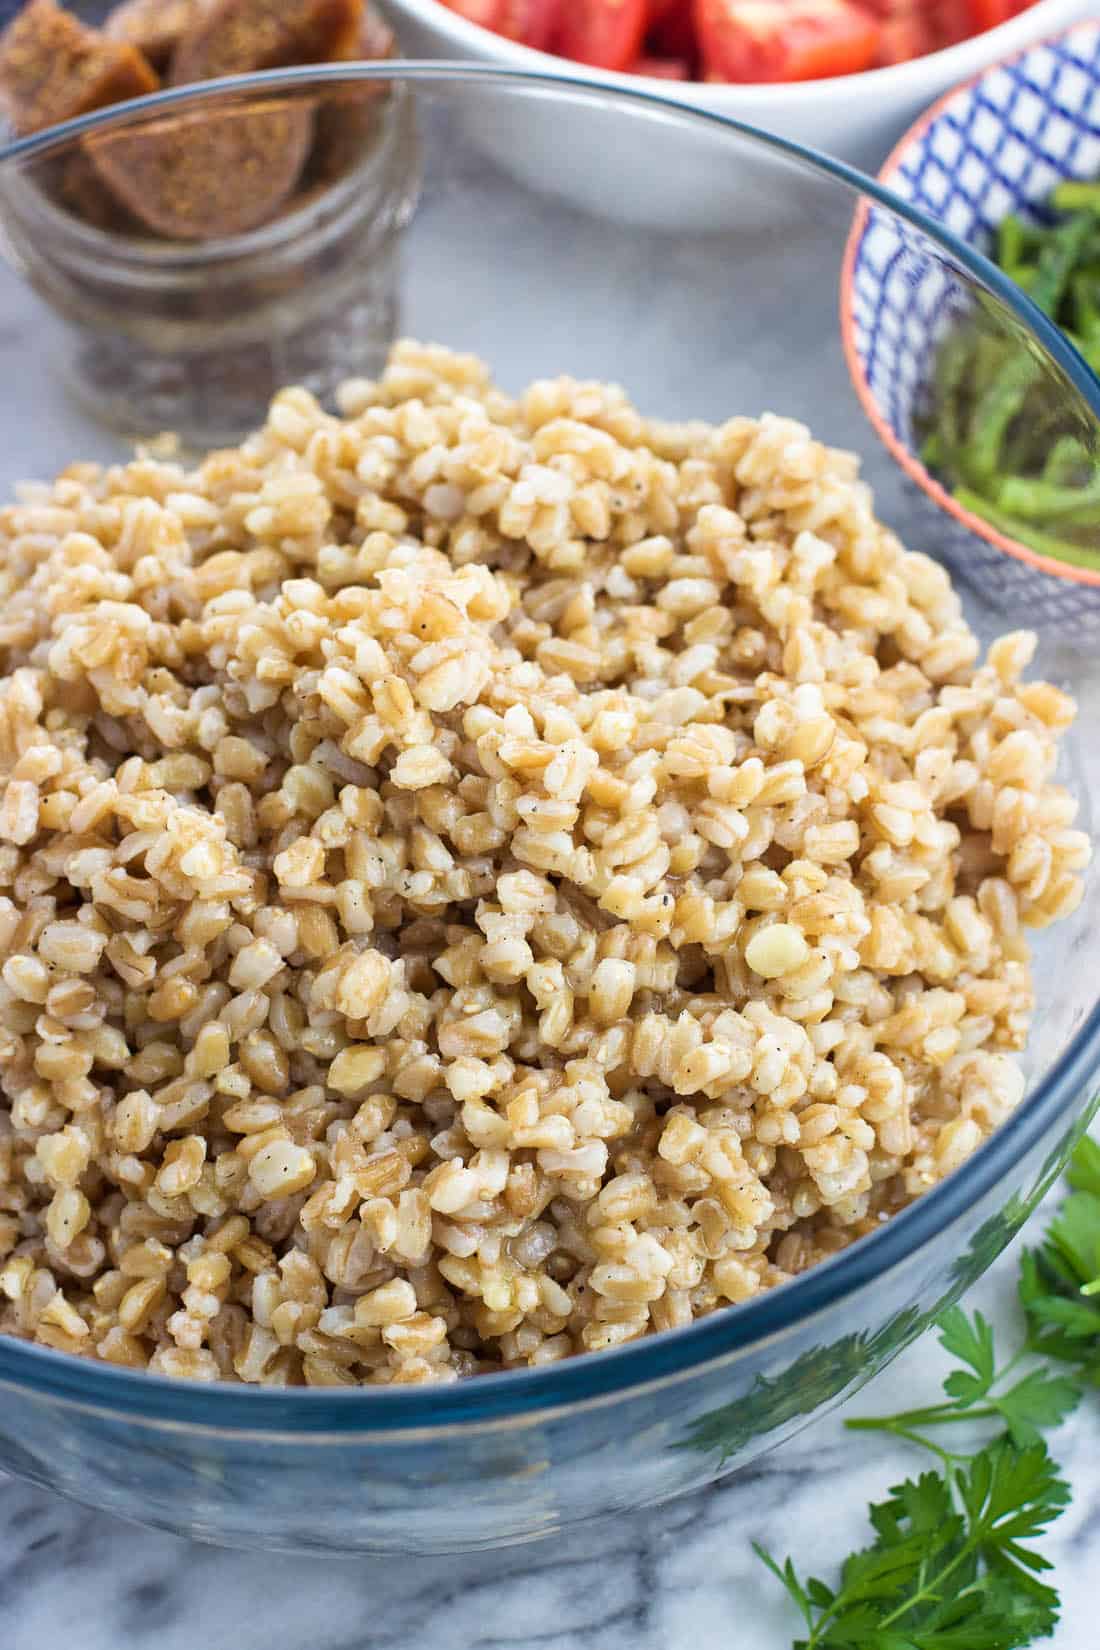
{"points": [[108, 247]]}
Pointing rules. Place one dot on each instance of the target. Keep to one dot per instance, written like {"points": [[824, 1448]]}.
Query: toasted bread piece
{"points": [[201, 176], [155, 27], [236, 36], [53, 68], [76, 185], [347, 115]]}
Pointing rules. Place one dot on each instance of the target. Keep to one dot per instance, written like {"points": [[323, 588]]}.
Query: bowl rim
{"points": [[509, 1398], [880, 81], [903, 455]]}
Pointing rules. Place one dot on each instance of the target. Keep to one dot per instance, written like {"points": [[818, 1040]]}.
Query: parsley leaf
{"points": [[1040, 1399], [1083, 1173], [952, 1565], [1060, 1280], [1035, 1404], [948, 1569], [971, 1341], [1074, 1237], [1063, 1323]]}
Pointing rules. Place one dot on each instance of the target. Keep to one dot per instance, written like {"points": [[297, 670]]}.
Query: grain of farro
{"points": [[484, 879]]}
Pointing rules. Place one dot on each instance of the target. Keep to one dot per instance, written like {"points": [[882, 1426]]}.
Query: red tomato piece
{"points": [[487, 14], [607, 34], [662, 68], [670, 28], [776, 40], [987, 14], [902, 39], [908, 28], [532, 22], [951, 22], [913, 28]]}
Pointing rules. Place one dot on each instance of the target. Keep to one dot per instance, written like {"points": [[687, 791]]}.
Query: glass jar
{"points": [[196, 336]]}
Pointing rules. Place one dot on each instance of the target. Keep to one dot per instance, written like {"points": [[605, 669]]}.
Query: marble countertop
{"points": [[679, 1577]]}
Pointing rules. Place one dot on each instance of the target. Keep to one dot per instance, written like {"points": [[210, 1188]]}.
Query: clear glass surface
{"points": [[730, 307]]}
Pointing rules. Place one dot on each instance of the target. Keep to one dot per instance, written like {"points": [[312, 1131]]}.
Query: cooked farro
{"points": [[484, 879]]}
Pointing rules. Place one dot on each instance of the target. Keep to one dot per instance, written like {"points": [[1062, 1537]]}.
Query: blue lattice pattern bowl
{"points": [[997, 145]]}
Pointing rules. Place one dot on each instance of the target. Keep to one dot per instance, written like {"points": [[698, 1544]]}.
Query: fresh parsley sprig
{"points": [[978, 1392], [948, 1569], [951, 1566], [1060, 1281]]}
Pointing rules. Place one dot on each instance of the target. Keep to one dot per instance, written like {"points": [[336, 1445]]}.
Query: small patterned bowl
{"points": [[996, 145]]}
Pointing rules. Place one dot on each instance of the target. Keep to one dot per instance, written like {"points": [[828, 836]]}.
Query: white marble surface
{"points": [[681, 1577]]}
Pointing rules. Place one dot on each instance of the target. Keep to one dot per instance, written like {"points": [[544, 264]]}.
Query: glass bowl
{"points": [[701, 325]]}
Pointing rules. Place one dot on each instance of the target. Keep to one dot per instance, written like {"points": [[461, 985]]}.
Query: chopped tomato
{"points": [[951, 23], [532, 22], [912, 28], [772, 40], [987, 14], [739, 40], [486, 13], [662, 68], [901, 39], [607, 34], [662, 11], [670, 28], [907, 30]]}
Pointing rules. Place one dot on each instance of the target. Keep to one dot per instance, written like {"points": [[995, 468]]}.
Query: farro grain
{"points": [[484, 879]]}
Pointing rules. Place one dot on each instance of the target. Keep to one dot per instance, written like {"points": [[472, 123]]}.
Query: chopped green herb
{"points": [[979, 1392], [1004, 435], [1076, 197], [1060, 1280], [951, 1566], [1067, 461], [1061, 253], [1045, 543]]}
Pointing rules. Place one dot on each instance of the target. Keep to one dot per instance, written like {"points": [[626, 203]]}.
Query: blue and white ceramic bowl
{"points": [[996, 145]]}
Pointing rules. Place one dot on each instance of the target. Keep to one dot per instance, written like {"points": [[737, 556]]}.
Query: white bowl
{"points": [[856, 118]]}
